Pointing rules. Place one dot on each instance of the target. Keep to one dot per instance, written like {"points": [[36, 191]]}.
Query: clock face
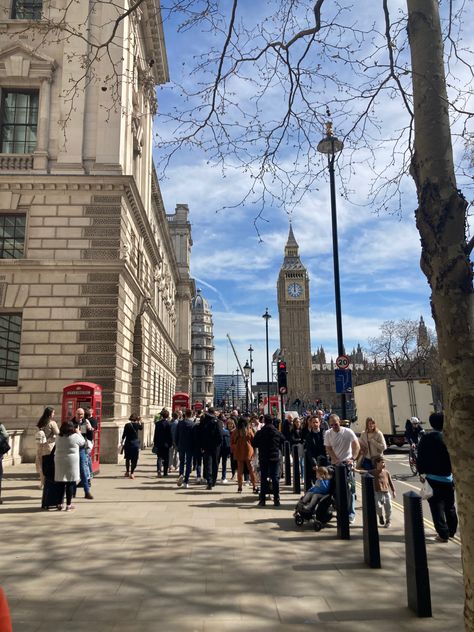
{"points": [[295, 290]]}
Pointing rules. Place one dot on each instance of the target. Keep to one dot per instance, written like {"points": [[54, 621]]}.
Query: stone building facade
{"points": [[94, 276], [202, 350]]}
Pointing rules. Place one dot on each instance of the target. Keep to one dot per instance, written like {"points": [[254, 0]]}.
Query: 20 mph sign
{"points": [[342, 362]]}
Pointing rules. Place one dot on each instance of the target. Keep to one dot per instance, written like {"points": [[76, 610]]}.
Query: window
{"points": [[27, 9], [10, 332], [12, 236], [18, 121]]}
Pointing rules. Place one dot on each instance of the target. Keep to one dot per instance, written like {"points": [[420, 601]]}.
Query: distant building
{"points": [[229, 391], [202, 350]]}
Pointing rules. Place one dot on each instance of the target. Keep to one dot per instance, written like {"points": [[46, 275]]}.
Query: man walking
{"points": [[269, 442], [342, 447], [434, 462], [184, 442], [210, 438]]}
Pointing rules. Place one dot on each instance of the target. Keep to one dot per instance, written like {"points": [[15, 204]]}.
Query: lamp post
{"points": [[331, 145], [227, 402], [267, 316], [247, 375], [232, 388], [250, 350]]}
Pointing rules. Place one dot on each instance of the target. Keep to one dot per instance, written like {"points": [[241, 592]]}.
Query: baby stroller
{"points": [[320, 514]]}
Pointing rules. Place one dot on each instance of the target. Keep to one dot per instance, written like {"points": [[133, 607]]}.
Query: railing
{"points": [[16, 162]]}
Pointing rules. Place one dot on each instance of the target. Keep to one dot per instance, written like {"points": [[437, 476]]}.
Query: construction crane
{"points": [[241, 369]]}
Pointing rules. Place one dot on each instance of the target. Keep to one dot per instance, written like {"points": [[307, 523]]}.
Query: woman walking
{"points": [[242, 450], [66, 461], [372, 444], [4, 443], [45, 439], [131, 444]]}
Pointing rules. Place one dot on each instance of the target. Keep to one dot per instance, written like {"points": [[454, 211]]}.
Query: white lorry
{"points": [[391, 403]]}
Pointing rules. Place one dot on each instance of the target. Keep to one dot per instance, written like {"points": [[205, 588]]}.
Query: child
{"points": [[382, 486], [320, 488]]}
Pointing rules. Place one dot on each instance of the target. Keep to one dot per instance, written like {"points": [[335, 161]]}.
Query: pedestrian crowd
{"points": [[248, 447]]}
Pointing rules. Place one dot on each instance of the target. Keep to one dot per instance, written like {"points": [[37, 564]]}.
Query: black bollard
{"points": [[308, 471], [418, 578], [287, 464], [370, 529], [342, 503], [296, 471]]}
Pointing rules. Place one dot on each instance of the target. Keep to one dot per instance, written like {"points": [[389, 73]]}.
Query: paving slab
{"points": [[148, 556]]}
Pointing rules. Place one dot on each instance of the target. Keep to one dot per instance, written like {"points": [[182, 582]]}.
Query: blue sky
{"points": [[379, 248]]}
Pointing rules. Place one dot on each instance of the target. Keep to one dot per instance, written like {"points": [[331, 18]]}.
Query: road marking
{"points": [[426, 522]]}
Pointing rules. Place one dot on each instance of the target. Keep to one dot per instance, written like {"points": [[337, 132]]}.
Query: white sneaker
{"points": [[247, 483], [186, 486], [179, 482], [351, 519], [224, 481]]}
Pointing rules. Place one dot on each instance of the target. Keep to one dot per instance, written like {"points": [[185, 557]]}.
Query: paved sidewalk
{"points": [[146, 556]]}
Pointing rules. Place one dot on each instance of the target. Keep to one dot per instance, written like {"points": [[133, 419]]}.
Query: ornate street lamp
{"points": [[267, 317], [330, 145], [247, 374]]}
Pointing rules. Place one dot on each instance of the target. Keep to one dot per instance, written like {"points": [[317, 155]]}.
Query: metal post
{"points": [[250, 350], [287, 464], [308, 470], [246, 395], [337, 287], [418, 578], [370, 529], [342, 503], [296, 471]]}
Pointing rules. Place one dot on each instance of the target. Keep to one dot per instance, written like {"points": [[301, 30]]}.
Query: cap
{"points": [[415, 420]]}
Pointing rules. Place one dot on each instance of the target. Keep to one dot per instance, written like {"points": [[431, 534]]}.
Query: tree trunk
{"points": [[441, 221]]}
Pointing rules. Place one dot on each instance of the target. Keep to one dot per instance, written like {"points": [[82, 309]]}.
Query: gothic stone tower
{"points": [[293, 308]]}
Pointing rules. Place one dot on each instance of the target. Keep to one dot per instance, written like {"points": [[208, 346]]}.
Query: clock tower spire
{"points": [[293, 309]]}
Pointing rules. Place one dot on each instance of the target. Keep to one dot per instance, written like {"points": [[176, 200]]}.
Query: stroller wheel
{"points": [[299, 520], [318, 525]]}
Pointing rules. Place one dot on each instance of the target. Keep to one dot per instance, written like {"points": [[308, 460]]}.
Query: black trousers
{"points": [[443, 510], [269, 470], [211, 464]]}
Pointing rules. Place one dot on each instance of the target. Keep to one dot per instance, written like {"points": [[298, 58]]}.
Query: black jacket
{"points": [[210, 436], [184, 434], [269, 441], [314, 444], [433, 455], [162, 438]]}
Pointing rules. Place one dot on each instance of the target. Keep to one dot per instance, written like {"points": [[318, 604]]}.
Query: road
{"points": [[396, 461]]}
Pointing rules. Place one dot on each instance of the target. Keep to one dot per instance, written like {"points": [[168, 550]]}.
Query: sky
{"points": [[237, 268]]}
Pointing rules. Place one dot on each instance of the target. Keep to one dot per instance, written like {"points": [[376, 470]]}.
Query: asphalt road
{"points": [[396, 461]]}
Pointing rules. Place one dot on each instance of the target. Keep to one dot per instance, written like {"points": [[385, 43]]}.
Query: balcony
{"points": [[16, 162]]}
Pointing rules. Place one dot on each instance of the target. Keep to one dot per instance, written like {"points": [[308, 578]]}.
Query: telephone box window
{"points": [[10, 334], [12, 236], [18, 121], [27, 9]]}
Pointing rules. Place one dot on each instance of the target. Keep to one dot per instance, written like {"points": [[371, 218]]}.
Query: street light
{"points": [[267, 317], [232, 387], [247, 374], [250, 350], [330, 145]]}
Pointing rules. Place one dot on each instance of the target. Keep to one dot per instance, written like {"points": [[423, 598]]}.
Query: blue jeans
{"points": [[186, 458], [84, 470]]}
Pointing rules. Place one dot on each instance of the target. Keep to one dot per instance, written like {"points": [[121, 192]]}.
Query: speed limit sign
{"points": [[342, 362]]}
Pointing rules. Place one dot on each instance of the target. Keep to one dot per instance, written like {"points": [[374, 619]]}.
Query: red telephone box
{"points": [[180, 401], [82, 395]]}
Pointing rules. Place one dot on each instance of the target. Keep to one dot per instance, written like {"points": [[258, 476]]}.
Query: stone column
{"points": [[42, 134]]}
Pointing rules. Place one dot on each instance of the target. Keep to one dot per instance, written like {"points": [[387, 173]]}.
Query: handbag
{"points": [[426, 490], [154, 449]]}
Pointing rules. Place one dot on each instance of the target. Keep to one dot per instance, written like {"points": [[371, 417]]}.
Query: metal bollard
{"points": [[296, 471], [308, 471], [418, 578], [342, 503], [370, 529], [287, 464]]}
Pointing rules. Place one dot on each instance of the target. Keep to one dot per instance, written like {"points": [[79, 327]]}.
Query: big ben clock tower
{"points": [[293, 308]]}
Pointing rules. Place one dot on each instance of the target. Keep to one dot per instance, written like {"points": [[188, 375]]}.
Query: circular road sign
{"points": [[342, 362]]}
